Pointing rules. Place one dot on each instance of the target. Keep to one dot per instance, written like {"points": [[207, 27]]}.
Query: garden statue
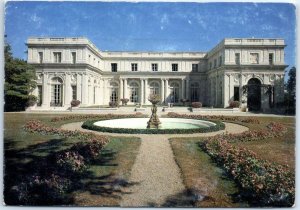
{"points": [[154, 121]]}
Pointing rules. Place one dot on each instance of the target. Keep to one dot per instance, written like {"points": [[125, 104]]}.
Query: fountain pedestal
{"points": [[154, 122]]}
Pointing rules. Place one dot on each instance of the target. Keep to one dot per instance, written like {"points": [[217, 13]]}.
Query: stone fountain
{"points": [[154, 122]]}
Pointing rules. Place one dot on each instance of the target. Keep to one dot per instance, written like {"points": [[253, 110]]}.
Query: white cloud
{"points": [[165, 19], [36, 19], [161, 28], [190, 22]]}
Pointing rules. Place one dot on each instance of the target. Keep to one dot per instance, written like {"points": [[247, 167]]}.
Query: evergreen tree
{"points": [[19, 82], [291, 91]]}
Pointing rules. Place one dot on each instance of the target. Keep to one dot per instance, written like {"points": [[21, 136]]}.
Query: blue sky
{"points": [[123, 26]]}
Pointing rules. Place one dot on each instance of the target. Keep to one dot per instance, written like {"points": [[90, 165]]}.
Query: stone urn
{"points": [[154, 122]]}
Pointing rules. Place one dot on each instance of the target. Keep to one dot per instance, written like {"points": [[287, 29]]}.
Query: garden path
{"points": [[155, 170]]}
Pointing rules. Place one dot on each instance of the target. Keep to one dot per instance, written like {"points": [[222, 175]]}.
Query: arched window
{"points": [[195, 92], [56, 91], [154, 88], [114, 91], [134, 92], [174, 92]]}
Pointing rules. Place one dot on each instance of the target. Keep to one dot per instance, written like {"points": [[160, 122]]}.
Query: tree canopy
{"points": [[290, 96], [19, 82]]}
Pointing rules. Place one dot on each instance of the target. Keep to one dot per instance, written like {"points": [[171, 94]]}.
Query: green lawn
{"points": [[106, 178], [200, 174]]}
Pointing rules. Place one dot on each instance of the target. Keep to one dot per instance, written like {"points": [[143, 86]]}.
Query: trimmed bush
{"points": [[196, 104], [124, 101], [234, 104], [113, 104], [75, 103]]}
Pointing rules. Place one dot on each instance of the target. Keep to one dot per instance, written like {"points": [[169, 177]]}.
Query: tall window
{"points": [[73, 57], [220, 60], [210, 65], [237, 58], [174, 67], [74, 92], [134, 92], [271, 58], [114, 92], [154, 67], [194, 92], [40, 95], [57, 57], [114, 67], [236, 96], [94, 96], [154, 88], [134, 67], [174, 92], [254, 59], [41, 57], [56, 91], [194, 67], [215, 63]]}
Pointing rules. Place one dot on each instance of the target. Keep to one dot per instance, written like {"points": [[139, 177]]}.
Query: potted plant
{"points": [[184, 101], [124, 101], [74, 103]]}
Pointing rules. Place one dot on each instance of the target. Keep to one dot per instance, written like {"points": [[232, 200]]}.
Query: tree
{"points": [[290, 97], [19, 82]]}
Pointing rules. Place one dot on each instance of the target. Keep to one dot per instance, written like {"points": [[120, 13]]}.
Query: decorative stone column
{"points": [[78, 87], [188, 89], [167, 91], [226, 90], [84, 93], [68, 91], [182, 88], [162, 91], [121, 89], [125, 88], [46, 91], [142, 92], [146, 92]]}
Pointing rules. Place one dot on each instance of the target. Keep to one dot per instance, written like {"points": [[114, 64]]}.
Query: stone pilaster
{"points": [[84, 89], [78, 87], [68, 91], [162, 91], [142, 92]]}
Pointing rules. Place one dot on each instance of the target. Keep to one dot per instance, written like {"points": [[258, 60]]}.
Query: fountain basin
{"points": [[166, 123], [168, 126]]}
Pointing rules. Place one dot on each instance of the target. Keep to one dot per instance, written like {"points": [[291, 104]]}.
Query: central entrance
{"points": [[254, 94]]}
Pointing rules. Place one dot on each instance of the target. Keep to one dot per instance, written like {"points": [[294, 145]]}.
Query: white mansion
{"points": [[247, 70]]}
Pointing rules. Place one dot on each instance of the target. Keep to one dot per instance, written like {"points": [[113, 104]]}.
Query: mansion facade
{"points": [[247, 70]]}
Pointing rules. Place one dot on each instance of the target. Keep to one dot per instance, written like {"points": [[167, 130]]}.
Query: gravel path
{"points": [[155, 169]]}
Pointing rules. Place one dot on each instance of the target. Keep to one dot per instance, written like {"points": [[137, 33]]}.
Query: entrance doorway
{"points": [[254, 94]]}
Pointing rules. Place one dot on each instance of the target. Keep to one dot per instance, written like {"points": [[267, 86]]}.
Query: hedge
{"points": [[89, 124]]}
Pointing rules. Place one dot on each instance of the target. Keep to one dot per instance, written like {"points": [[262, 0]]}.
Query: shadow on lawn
{"points": [[34, 159]]}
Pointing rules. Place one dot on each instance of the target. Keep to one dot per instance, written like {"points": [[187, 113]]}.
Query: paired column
{"points": [[84, 89], [121, 89], [68, 90], [162, 91], [45, 97], [125, 88], [146, 91], [187, 94], [182, 88], [142, 91], [167, 90], [78, 87]]}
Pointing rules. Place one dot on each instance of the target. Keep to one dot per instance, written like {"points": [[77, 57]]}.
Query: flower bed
{"points": [[37, 126], [96, 116], [215, 117], [268, 184], [52, 177], [89, 124]]}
